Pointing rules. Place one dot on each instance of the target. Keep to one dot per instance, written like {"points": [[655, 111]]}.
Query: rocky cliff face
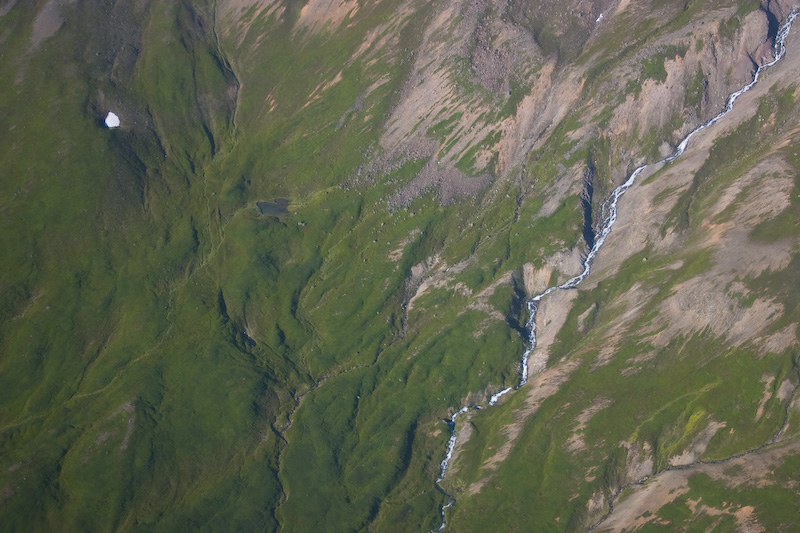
{"points": [[174, 355], [488, 80]]}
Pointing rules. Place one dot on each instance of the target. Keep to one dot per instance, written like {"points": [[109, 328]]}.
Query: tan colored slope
{"points": [[750, 470], [703, 302]]}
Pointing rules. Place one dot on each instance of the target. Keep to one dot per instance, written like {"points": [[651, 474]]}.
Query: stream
{"points": [[610, 217]]}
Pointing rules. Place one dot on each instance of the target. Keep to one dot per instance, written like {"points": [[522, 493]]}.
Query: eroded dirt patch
{"points": [[666, 487], [575, 443], [326, 14], [6, 7], [47, 22]]}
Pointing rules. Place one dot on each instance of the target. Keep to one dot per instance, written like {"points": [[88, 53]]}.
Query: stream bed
{"points": [[610, 217]]}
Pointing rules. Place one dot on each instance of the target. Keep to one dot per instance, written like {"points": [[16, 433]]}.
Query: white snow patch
{"points": [[112, 120]]}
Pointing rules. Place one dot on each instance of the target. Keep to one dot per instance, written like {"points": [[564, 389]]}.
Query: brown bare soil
{"points": [[576, 443], [705, 300], [327, 14], [47, 22], [6, 7], [669, 485]]}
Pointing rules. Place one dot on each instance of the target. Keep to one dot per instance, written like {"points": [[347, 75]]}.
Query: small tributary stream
{"points": [[779, 49]]}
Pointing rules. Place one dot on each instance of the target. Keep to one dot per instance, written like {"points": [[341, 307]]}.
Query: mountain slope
{"points": [[312, 239]]}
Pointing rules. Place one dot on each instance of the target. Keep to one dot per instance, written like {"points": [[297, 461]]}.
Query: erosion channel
{"points": [[609, 218]]}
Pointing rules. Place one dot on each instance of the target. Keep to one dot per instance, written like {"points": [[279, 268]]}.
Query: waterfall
{"points": [[779, 49]]}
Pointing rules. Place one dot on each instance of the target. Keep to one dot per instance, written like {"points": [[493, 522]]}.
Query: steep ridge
{"points": [[632, 238], [606, 226]]}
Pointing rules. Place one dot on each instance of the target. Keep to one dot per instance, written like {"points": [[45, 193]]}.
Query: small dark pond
{"points": [[277, 207]]}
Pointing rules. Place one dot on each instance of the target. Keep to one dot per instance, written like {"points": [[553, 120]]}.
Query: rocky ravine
{"points": [[734, 256]]}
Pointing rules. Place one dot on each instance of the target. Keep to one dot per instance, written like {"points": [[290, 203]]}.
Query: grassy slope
{"points": [[125, 394], [172, 324], [157, 332], [660, 398]]}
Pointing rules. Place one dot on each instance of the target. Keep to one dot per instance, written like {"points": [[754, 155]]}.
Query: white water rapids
{"points": [[779, 50]]}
